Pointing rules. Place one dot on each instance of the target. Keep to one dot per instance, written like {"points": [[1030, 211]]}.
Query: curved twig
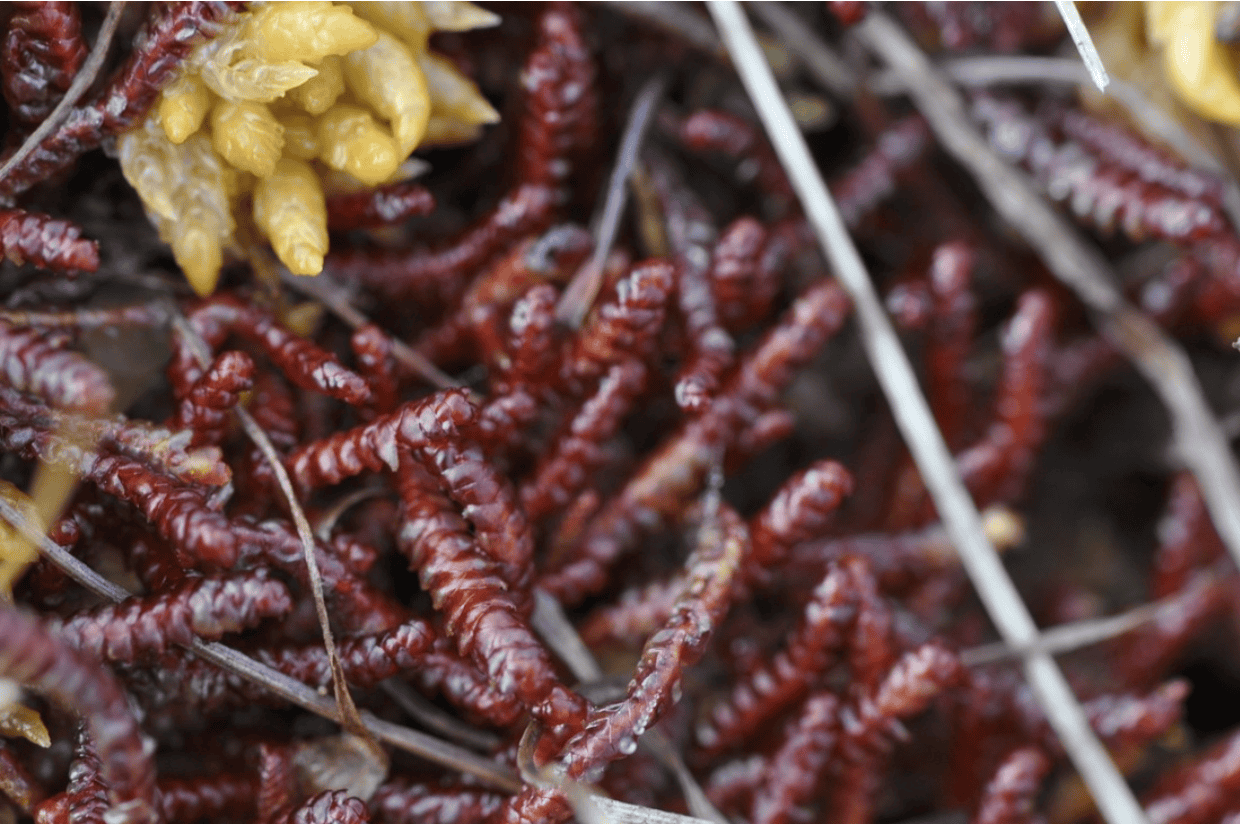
{"points": [[580, 294]]}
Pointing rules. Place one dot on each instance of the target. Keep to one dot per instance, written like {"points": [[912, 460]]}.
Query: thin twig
{"points": [[424, 746], [327, 292], [1084, 43], [912, 413], [585, 285], [819, 59], [420, 744], [81, 82], [992, 70], [1064, 638], [1199, 438], [437, 720], [553, 626], [348, 710], [325, 523], [154, 313]]}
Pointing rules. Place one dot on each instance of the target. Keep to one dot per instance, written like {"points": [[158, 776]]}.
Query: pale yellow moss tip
{"points": [[200, 257], [182, 108], [144, 163], [319, 93], [307, 31], [20, 720], [454, 95], [409, 128], [350, 140], [455, 15], [448, 131], [1003, 527], [1201, 71], [482, 112], [290, 208], [302, 260], [386, 77], [247, 135], [302, 318]]}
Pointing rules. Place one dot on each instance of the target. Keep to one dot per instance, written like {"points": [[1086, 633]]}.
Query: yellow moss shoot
{"points": [[183, 106], [447, 131], [50, 491], [149, 164], [18, 720], [203, 224], [228, 69], [283, 86], [289, 207], [16, 552], [319, 93], [184, 188], [253, 79], [247, 135], [387, 78], [302, 318], [405, 20], [1201, 71], [454, 94], [456, 15], [200, 258], [352, 141], [1004, 527], [306, 31], [336, 182], [301, 135]]}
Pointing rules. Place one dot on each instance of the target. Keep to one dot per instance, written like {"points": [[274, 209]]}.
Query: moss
{"points": [[285, 94]]}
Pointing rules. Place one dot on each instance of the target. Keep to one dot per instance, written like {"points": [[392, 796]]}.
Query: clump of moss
{"points": [[290, 101]]}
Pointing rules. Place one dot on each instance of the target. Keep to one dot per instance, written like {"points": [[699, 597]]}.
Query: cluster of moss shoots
{"points": [[292, 102]]}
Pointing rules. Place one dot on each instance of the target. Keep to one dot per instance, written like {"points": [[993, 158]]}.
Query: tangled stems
{"points": [[35, 656], [481, 615], [673, 475], [701, 472]]}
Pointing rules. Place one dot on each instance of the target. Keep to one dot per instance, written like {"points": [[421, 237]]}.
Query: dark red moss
{"points": [[701, 476]]}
